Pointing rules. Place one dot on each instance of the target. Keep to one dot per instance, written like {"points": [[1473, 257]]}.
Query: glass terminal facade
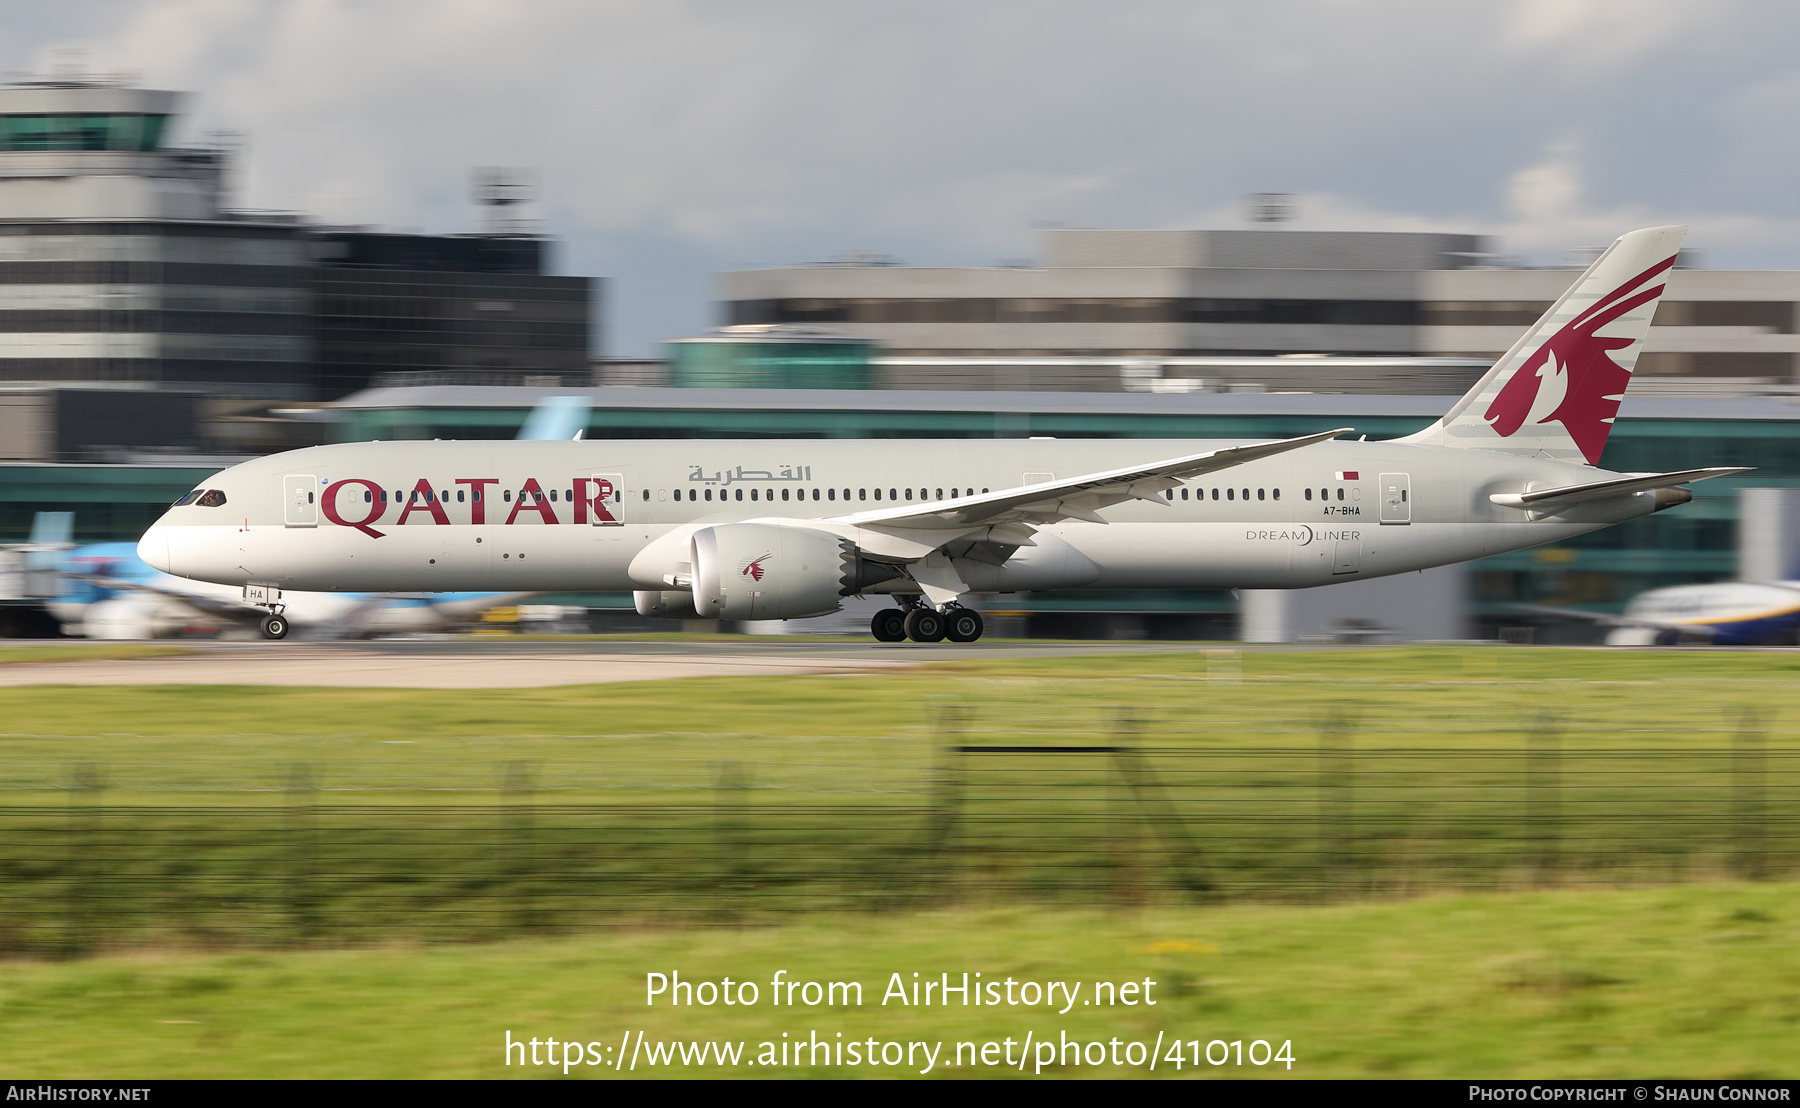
{"points": [[82, 131], [771, 361], [164, 303], [443, 309]]}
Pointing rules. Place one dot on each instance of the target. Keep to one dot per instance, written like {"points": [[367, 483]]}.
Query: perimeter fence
{"points": [[990, 806]]}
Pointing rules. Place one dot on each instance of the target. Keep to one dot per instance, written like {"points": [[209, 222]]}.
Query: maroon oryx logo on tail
{"points": [[1593, 384], [753, 568]]}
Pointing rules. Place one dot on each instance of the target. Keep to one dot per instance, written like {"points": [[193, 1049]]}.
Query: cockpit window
{"points": [[212, 498], [188, 499]]}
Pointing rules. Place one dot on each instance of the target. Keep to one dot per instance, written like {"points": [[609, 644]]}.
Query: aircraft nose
{"points": [[153, 548]]}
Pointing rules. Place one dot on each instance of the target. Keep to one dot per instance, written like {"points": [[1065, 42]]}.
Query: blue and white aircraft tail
{"points": [[1724, 613], [108, 592]]}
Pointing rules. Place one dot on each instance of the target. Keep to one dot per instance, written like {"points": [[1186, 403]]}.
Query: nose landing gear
{"points": [[274, 625]]}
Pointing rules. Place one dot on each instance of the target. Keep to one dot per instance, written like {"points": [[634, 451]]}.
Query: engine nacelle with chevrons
{"points": [[766, 571]]}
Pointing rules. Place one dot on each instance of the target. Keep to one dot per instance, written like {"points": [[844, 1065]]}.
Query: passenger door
{"points": [[606, 499], [299, 500], [1396, 498]]}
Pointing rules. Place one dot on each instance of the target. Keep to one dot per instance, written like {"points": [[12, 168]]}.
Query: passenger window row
{"points": [[1325, 494], [463, 496], [816, 494], [430, 496], [1230, 494]]}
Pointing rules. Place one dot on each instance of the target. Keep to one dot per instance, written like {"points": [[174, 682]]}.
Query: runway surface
{"points": [[485, 664]]}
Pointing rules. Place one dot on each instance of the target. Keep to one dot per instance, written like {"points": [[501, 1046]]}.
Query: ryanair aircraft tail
{"points": [[1555, 393]]}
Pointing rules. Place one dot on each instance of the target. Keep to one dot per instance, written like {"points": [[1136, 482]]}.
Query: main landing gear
{"points": [[922, 624]]}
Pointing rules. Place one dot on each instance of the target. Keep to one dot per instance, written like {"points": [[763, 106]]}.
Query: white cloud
{"points": [[1603, 34]]}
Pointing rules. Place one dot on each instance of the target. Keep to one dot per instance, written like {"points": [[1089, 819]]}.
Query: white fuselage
{"points": [[405, 516]]}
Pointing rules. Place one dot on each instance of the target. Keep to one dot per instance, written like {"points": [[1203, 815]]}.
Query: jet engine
{"points": [[762, 571], [127, 618]]}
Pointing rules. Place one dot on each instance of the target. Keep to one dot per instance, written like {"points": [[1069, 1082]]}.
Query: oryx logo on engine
{"points": [[753, 568]]}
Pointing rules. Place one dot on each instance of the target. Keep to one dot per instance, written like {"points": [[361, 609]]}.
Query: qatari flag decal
{"points": [[1347, 475]]}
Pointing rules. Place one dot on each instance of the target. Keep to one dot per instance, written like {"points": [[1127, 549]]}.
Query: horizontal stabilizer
{"points": [[208, 605], [1562, 495]]}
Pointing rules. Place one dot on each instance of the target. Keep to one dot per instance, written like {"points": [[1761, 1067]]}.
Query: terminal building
{"points": [[1216, 309], [124, 268], [446, 309], [118, 262]]}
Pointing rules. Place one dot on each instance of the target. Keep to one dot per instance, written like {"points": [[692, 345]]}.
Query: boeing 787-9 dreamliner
{"points": [[769, 529]]}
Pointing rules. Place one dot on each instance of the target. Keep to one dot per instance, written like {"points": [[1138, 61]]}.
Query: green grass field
{"points": [[1693, 981], [87, 652], [221, 815], [803, 728], [1452, 861]]}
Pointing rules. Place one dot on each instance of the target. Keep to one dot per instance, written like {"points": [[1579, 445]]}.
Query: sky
{"points": [[674, 139]]}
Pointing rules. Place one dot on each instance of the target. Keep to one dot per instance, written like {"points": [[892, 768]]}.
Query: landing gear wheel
{"points": [[889, 625], [274, 627], [962, 625], [924, 625]]}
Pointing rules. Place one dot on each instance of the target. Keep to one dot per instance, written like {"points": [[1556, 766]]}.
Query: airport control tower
{"points": [[79, 146], [120, 264], [136, 303]]}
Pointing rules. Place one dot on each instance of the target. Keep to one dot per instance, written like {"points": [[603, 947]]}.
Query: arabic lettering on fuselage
{"points": [[740, 474]]}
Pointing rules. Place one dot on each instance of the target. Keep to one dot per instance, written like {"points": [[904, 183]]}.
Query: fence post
{"points": [[83, 861], [1124, 861], [520, 848], [302, 850], [1155, 808], [1543, 794], [730, 839], [1337, 835], [945, 787], [1747, 770]]}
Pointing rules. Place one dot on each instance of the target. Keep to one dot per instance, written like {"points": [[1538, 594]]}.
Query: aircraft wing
{"points": [[209, 605], [1075, 497], [1615, 619], [1619, 486], [467, 608], [1005, 520], [377, 613], [353, 621]]}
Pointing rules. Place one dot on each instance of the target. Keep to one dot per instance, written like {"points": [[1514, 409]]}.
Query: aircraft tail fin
{"points": [[1555, 393], [556, 418], [52, 528]]}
